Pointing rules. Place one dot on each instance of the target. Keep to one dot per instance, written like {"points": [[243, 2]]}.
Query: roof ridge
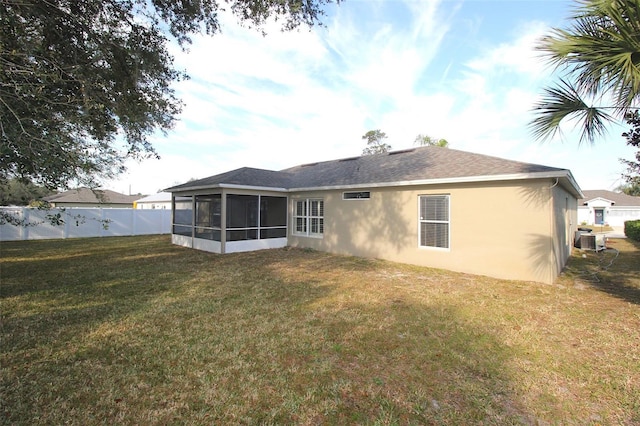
{"points": [[355, 157], [413, 149]]}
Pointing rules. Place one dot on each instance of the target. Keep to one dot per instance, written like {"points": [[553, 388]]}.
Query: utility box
{"points": [[580, 233], [588, 242]]}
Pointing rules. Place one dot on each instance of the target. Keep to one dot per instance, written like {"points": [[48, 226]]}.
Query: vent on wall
{"points": [[362, 195]]}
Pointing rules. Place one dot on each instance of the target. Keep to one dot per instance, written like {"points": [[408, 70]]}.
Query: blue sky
{"points": [[466, 71]]}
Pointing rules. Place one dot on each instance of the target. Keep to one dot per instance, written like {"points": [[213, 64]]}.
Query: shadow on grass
{"points": [[152, 333], [54, 291], [78, 266], [618, 271]]}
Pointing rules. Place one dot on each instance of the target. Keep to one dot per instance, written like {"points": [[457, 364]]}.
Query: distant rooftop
{"points": [[91, 196], [155, 198], [619, 199]]}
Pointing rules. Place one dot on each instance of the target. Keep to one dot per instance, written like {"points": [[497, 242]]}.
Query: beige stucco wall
{"points": [[499, 229], [565, 220]]}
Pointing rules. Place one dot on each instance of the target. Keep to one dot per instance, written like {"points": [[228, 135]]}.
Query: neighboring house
{"points": [[599, 207], [427, 206], [86, 197], [161, 200]]}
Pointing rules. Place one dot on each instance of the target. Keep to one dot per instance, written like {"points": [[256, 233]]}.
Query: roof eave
{"points": [[254, 188], [573, 185], [226, 185], [599, 198], [465, 179]]}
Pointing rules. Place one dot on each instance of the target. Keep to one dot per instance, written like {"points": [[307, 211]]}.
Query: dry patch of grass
{"points": [[135, 330]]}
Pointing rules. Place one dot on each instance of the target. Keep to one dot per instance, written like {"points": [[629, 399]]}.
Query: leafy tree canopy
{"points": [[16, 192], [375, 142], [598, 57], [424, 140], [84, 83], [630, 189]]}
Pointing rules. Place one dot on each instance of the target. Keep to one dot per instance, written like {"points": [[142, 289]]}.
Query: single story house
{"points": [[161, 200], [428, 206], [87, 197], [599, 207]]}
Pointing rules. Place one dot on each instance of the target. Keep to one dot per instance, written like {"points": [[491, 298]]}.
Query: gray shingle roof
{"points": [[93, 196], [619, 199], [417, 164], [245, 176]]}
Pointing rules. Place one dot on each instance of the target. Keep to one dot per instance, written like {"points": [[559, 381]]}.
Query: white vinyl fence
{"points": [[37, 224]]}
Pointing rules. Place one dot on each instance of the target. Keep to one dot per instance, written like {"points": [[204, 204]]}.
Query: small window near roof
{"points": [[363, 195]]}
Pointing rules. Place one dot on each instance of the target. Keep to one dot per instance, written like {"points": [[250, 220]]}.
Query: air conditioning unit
{"points": [[588, 242]]}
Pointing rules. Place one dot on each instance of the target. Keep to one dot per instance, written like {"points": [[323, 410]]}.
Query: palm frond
{"points": [[565, 101], [600, 51]]}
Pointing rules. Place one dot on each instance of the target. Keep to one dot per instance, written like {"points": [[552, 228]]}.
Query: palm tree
{"points": [[600, 57]]}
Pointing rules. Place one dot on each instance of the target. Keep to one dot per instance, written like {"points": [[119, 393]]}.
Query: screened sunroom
{"points": [[230, 221]]}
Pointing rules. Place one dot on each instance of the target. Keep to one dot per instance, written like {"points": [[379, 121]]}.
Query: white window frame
{"points": [[422, 220], [308, 218]]}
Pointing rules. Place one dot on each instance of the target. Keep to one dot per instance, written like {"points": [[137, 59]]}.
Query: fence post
{"points": [[65, 229], [134, 222], [24, 230], [102, 223]]}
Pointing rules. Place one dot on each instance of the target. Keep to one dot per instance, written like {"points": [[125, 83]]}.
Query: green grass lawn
{"points": [[134, 330]]}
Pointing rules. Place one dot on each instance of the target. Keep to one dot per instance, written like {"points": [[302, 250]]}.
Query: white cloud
{"points": [[518, 55], [291, 98], [151, 176]]}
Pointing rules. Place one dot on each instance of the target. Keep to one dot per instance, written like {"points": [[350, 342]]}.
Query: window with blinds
{"points": [[309, 217], [434, 221]]}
